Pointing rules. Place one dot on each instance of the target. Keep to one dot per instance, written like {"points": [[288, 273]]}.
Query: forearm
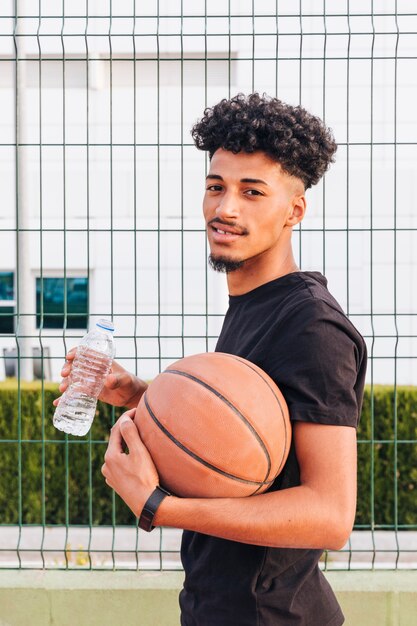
{"points": [[291, 518], [318, 513]]}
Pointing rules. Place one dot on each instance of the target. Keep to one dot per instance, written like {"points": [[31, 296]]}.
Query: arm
{"points": [[317, 514]]}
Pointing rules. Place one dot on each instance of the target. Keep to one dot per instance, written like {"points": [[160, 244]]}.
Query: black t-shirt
{"points": [[295, 331]]}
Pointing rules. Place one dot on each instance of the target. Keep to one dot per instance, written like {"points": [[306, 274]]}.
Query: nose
{"points": [[228, 207]]}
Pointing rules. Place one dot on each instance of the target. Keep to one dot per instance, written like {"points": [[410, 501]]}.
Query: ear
{"points": [[297, 211]]}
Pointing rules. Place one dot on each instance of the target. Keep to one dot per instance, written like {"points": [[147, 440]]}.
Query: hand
{"points": [[121, 388], [133, 475]]}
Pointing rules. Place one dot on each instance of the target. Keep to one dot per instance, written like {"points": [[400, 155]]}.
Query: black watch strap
{"points": [[150, 508]]}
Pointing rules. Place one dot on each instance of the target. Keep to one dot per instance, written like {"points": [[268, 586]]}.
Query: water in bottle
{"points": [[75, 411]]}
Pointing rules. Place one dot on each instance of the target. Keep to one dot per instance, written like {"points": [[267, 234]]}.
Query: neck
{"points": [[258, 271]]}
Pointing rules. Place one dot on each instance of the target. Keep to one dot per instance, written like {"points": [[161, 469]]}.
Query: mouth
{"points": [[226, 231]]}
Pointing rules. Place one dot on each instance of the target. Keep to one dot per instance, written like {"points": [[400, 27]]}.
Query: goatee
{"points": [[223, 264]]}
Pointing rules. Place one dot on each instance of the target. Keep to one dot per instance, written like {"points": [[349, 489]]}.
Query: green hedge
{"points": [[48, 479], [54, 474], [387, 471]]}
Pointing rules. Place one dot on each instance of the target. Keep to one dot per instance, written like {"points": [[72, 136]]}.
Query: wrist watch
{"points": [[150, 508]]}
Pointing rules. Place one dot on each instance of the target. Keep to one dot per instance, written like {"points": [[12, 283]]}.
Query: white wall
{"points": [[361, 223]]}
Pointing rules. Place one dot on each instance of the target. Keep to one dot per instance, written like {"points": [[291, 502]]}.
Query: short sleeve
{"points": [[318, 365]]}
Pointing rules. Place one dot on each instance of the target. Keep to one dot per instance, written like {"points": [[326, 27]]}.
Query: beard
{"points": [[223, 264]]}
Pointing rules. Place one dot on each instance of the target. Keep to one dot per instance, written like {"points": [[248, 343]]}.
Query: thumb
{"points": [[117, 377], [113, 381], [132, 438], [129, 431]]}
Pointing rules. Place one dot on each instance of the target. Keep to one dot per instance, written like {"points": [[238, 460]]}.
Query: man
{"points": [[254, 561]]}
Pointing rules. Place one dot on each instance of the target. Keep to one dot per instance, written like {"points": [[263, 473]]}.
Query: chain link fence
{"points": [[101, 189]]}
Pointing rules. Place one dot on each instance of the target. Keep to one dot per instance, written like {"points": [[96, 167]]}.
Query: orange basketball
{"points": [[216, 426]]}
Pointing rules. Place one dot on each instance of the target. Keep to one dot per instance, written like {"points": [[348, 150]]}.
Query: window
{"points": [[51, 292], [7, 302]]}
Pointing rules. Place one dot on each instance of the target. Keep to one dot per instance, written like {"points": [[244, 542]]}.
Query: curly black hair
{"points": [[296, 139]]}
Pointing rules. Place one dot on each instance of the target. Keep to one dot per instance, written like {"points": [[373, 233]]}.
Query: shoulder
{"points": [[317, 357], [311, 308], [310, 289]]}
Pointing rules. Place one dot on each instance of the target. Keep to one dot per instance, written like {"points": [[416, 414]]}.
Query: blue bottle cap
{"points": [[105, 324]]}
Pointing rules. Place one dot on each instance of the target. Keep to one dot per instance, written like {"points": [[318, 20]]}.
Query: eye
{"points": [[253, 192], [214, 188]]}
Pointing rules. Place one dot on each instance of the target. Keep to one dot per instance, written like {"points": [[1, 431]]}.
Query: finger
{"points": [[66, 368], [63, 385], [131, 436], [117, 377], [128, 415], [71, 354], [112, 381], [105, 473], [115, 445]]}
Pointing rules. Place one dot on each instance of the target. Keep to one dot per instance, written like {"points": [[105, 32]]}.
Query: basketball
{"points": [[216, 425]]}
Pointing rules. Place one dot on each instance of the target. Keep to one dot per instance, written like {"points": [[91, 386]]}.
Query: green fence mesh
{"points": [[101, 190]]}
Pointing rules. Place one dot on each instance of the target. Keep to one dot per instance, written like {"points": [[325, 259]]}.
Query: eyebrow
{"points": [[242, 180]]}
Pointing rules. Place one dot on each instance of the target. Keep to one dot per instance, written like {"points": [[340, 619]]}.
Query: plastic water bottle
{"points": [[77, 406]]}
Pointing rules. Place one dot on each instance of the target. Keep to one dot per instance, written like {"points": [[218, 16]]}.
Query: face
{"points": [[250, 206]]}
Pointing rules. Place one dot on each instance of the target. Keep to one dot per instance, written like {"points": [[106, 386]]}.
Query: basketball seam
{"points": [[233, 408], [195, 456], [244, 362]]}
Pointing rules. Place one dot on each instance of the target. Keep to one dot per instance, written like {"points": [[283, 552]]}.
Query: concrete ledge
{"points": [[377, 598], [89, 598], [95, 598]]}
